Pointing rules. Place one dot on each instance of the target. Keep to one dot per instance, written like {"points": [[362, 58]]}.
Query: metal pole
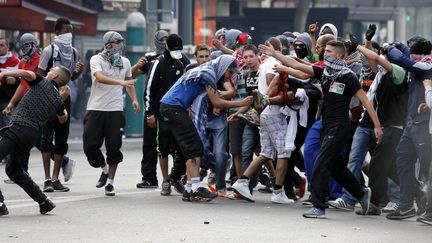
{"points": [[186, 22]]}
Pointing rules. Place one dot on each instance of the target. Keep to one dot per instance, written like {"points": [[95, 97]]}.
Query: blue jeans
{"points": [[415, 143], [363, 140], [217, 133], [250, 141]]}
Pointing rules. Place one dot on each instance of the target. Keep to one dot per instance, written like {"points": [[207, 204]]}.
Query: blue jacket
{"points": [[418, 71]]}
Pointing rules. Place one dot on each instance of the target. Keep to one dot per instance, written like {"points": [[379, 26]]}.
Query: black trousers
{"points": [[150, 158], [100, 126], [382, 165], [17, 141], [330, 163]]}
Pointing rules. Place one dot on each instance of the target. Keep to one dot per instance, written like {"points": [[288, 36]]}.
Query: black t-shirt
{"points": [[251, 82], [337, 95]]}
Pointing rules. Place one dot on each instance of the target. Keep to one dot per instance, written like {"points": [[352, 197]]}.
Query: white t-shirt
{"points": [[105, 97], [267, 68]]}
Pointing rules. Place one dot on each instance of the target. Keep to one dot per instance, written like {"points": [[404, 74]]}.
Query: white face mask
{"points": [[176, 54]]}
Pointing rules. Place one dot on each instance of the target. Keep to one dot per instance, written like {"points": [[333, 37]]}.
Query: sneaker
{"points": [[102, 180], [425, 218], [203, 195], [251, 117], [373, 210], [233, 196], [222, 193], [266, 189], [264, 178], [68, 170], [178, 186], [315, 213], [48, 186], [260, 101], [202, 174], [211, 181], [308, 202], [109, 190], [241, 187], [46, 206], [365, 200], [59, 187], [147, 184], [301, 189], [390, 207], [280, 197], [166, 188], [341, 204], [402, 214], [186, 196], [3, 210]]}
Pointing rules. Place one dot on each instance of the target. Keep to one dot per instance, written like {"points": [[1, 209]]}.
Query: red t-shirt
{"points": [[30, 65]]}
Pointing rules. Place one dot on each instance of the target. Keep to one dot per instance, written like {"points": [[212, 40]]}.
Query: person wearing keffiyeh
{"points": [[195, 89], [339, 86]]}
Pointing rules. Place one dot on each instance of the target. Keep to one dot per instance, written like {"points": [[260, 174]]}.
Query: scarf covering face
{"points": [[28, 46], [113, 55], [335, 68], [63, 52], [421, 58], [207, 74], [331, 27], [160, 45]]}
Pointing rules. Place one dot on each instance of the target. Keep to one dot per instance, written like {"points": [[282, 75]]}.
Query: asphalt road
{"points": [[85, 214]]}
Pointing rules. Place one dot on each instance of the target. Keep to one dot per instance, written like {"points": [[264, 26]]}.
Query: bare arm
{"points": [[224, 49], [378, 130], [101, 78], [374, 59], [218, 102], [293, 72], [20, 73], [228, 92], [287, 60], [136, 69], [132, 94]]}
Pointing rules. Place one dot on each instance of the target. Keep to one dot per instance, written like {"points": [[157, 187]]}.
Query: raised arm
{"points": [[20, 73], [374, 59], [286, 60]]}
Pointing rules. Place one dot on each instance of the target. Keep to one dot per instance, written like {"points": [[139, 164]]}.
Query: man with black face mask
{"points": [[165, 71], [302, 47]]}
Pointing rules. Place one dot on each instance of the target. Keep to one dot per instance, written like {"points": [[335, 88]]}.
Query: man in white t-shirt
{"points": [[273, 126], [104, 120]]}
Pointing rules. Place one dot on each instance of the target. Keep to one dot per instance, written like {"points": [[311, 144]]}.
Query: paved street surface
{"points": [[85, 214]]}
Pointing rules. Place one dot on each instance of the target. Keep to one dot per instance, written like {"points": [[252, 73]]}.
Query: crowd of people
{"points": [[298, 113]]}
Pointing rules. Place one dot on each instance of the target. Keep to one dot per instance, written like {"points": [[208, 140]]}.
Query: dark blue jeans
{"points": [[414, 144]]}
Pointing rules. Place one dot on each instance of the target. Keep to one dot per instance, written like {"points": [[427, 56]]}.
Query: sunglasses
{"points": [[299, 46]]}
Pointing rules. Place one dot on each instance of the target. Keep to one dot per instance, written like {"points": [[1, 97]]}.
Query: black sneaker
{"points": [[421, 202], [186, 196], [48, 186], [59, 187], [373, 210], [203, 195], [202, 174], [46, 206], [109, 190], [178, 186], [425, 218], [4, 210], [102, 180], [402, 214], [147, 184], [166, 188]]}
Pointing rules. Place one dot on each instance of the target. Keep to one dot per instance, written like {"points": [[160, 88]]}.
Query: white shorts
{"points": [[272, 131]]}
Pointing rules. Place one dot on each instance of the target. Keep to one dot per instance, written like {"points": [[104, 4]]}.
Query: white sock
{"points": [[105, 169], [110, 181], [188, 186], [196, 183]]}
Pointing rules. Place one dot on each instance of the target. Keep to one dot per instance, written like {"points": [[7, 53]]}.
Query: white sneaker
{"points": [[390, 207], [279, 196], [241, 187], [68, 169]]}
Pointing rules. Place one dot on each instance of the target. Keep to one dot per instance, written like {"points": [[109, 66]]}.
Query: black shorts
{"points": [[166, 145], [183, 130]]}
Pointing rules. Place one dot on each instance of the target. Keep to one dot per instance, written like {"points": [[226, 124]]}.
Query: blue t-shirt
{"points": [[183, 94]]}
